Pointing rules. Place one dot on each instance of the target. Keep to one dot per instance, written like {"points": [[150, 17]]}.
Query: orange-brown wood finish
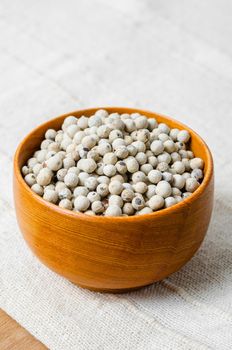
{"points": [[119, 253]]}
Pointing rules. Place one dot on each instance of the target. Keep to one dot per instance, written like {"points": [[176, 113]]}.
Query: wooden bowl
{"points": [[113, 254]]}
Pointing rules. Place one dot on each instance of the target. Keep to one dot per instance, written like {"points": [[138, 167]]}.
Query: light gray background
{"points": [[173, 57]]}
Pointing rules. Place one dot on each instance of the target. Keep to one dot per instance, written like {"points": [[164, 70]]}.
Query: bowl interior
{"points": [[32, 141]]}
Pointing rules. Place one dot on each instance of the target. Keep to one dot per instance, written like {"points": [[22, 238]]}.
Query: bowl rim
{"points": [[81, 216]]}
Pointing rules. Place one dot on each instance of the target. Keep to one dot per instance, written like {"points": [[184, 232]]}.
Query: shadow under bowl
{"points": [[113, 254]]}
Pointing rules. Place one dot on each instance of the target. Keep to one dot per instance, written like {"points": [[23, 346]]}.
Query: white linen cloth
{"points": [[174, 57]]}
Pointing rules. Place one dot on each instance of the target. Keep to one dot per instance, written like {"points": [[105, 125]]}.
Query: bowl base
{"points": [[114, 291]]}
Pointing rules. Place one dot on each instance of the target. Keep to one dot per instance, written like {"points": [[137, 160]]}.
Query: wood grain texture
{"points": [[113, 254], [15, 337]]}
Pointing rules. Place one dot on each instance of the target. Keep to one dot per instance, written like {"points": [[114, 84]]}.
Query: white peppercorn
{"points": [[180, 145], [153, 161], [81, 203], [196, 163], [60, 185], [154, 176], [115, 187], [163, 189], [103, 189], [68, 163], [115, 200], [110, 158], [145, 210], [37, 189], [121, 152], [45, 144], [54, 163], [167, 177], [104, 148], [54, 146], [50, 154], [169, 202], [74, 170], [186, 163], [93, 196], [97, 207], [118, 143], [64, 193], [79, 135], [140, 187], [164, 157], [141, 158], [163, 167], [186, 194], [80, 191], [82, 122], [50, 134], [143, 135], [50, 196], [128, 209], [127, 186], [82, 177], [121, 167], [91, 183], [175, 157], [109, 170], [176, 191], [169, 146], [146, 168], [41, 155], [179, 167], [173, 134], [151, 191], [72, 130], [50, 187], [132, 150], [139, 145], [32, 162], [99, 169], [183, 136], [178, 199], [25, 170], [36, 168], [103, 180], [71, 179], [156, 202], [103, 131], [65, 204], [141, 122], [88, 141], [132, 165], [163, 137], [113, 210], [191, 184], [87, 165], [69, 121], [157, 147], [183, 153], [196, 173], [138, 203], [190, 154], [127, 195], [89, 212], [152, 124], [44, 177]]}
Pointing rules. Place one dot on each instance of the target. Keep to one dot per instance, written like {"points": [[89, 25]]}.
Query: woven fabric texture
{"points": [[173, 57]]}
